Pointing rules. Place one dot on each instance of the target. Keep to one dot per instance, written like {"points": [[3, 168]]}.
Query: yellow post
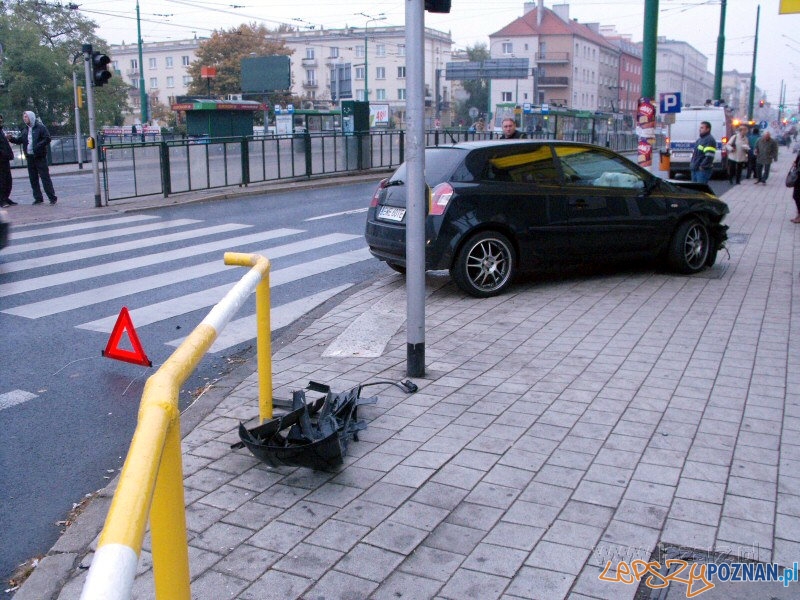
{"points": [[264, 349], [168, 523]]}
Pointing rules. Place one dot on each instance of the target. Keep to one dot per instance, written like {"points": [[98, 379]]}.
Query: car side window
{"points": [[590, 167], [528, 164]]}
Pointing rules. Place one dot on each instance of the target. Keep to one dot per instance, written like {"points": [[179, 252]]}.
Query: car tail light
{"points": [[381, 186], [440, 197]]}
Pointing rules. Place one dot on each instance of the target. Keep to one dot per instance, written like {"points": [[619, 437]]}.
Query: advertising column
{"points": [[646, 131]]}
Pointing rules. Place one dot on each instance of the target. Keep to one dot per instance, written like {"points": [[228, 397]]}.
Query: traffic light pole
{"points": [[88, 68], [78, 146], [752, 97]]}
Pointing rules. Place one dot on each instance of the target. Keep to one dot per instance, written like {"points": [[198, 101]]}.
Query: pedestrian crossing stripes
{"points": [[68, 284]]}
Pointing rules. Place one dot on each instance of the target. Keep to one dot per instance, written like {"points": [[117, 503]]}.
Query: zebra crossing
{"points": [[69, 266]]}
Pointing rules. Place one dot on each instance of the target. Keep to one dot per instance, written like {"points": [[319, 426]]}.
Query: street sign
{"points": [[669, 119], [669, 103], [526, 108], [762, 124], [545, 108]]}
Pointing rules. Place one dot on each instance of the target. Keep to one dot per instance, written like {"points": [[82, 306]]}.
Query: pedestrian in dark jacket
{"points": [[35, 140], [796, 190], [705, 149], [6, 156], [766, 154]]}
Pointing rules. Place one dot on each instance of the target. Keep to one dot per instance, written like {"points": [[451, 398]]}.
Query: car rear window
{"points": [[439, 165]]}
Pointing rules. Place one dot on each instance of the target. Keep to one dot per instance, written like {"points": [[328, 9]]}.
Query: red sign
{"points": [[208, 72], [125, 325], [646, 114]]}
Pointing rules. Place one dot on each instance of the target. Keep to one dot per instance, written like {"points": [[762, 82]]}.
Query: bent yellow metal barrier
{"points": [[152, 477]]}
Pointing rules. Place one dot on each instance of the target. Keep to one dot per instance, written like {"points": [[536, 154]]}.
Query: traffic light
{"points": [[100, 72], [761, 103], [80, 96], [437, 6]]}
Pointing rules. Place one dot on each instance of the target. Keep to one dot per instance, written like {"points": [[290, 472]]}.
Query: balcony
{"points": [[309, 62], [552, 57], [132, 73], [552, 82], [312, 84]]}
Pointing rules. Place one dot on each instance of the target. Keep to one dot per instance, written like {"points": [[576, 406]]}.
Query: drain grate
{"points": [[738, 238]]}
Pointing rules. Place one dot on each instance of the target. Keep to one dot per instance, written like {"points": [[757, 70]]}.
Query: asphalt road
{"points": [[67, 414]]}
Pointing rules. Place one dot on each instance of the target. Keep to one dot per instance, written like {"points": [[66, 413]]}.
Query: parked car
{"points": [[5, 227], [499, 208]]}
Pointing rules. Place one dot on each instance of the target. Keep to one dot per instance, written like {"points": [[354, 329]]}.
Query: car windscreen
{"points": [[439, 165]]}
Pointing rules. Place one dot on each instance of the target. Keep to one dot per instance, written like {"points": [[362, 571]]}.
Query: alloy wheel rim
{"points": [[696, 246], [488, 264]]}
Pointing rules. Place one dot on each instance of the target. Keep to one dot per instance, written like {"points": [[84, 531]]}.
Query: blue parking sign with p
{"points": [[670, 103]]}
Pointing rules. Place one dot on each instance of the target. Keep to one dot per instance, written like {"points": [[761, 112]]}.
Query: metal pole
{"points": [[142, 93], [366, 66], [78, 145], [753, 70], [87, 59], [649, 49], [720, 51], [417, 189]]}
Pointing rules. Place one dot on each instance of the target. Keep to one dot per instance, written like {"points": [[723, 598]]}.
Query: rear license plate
{"points": [[681, 156], [391, 213]]}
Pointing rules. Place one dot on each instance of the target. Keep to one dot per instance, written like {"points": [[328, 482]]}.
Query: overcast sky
{"points": [[471, 21]]}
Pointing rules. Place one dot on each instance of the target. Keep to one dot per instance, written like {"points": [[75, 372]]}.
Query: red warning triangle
{"points": [[125, 325]]}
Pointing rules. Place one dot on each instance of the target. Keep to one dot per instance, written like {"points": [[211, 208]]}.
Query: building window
{"points": [[360, 95], [154, 83], [380, 73], [401, 93], [170, 82], [114, 65], [152, 63], [505, 96], [401, 72], [135, 83], [380, 94], [168, 62], [187, 80], [334, 52], [185, 61], [359, 51], [380, 50], [401, 50], [134, 64], [311, 75], [508, 48], [359, 72], [309, 52]]}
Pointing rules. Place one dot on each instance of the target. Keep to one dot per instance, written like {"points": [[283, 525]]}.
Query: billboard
{"points": [[266, 74]]}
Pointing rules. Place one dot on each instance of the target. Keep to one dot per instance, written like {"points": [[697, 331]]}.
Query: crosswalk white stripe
{"points": [[57, 259], [60, 304], [244, 329], [37, 283], [355, 211], [167, 309], [15, 397], [22, 233], [96, 236]]}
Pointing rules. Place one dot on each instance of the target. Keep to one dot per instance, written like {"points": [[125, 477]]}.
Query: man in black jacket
{"points": [[35, 139], [6, 156]]}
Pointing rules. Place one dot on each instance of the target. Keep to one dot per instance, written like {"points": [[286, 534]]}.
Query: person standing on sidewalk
{"points": [[6, 156], [766, 154], [752, 140], [35, 140], [705, 149], [738, 147], [796, 190]]}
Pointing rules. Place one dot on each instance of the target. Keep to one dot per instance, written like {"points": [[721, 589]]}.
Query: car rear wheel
{"points": [[689, 247], [398, 268], [485, 265]]}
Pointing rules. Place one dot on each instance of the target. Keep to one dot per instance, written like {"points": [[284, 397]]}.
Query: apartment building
{"points": [[326, 66], [682, 68]]}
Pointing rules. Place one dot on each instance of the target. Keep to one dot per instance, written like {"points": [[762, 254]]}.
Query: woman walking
{"points": [[738, 148]]}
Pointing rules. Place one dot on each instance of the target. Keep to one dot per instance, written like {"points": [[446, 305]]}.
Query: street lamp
{"points": [[370, 19]]}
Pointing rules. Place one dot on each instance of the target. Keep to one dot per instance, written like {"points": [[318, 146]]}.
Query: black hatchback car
{"points": [[499, 208]]}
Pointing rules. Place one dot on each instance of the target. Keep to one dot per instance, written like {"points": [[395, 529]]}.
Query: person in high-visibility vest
{"points": [[705, 148]]}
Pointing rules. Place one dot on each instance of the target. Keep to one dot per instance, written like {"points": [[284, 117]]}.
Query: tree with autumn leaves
{"points": [[225, 50]]}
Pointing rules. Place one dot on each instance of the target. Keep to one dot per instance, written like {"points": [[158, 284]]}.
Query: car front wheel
{"points": [[485, 265], [689, 248]]}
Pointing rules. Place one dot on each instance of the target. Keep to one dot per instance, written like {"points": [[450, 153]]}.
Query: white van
{"points": [[683, 133]]}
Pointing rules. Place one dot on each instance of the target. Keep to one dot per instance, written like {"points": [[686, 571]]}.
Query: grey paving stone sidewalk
{"points": [[565, 424]]}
